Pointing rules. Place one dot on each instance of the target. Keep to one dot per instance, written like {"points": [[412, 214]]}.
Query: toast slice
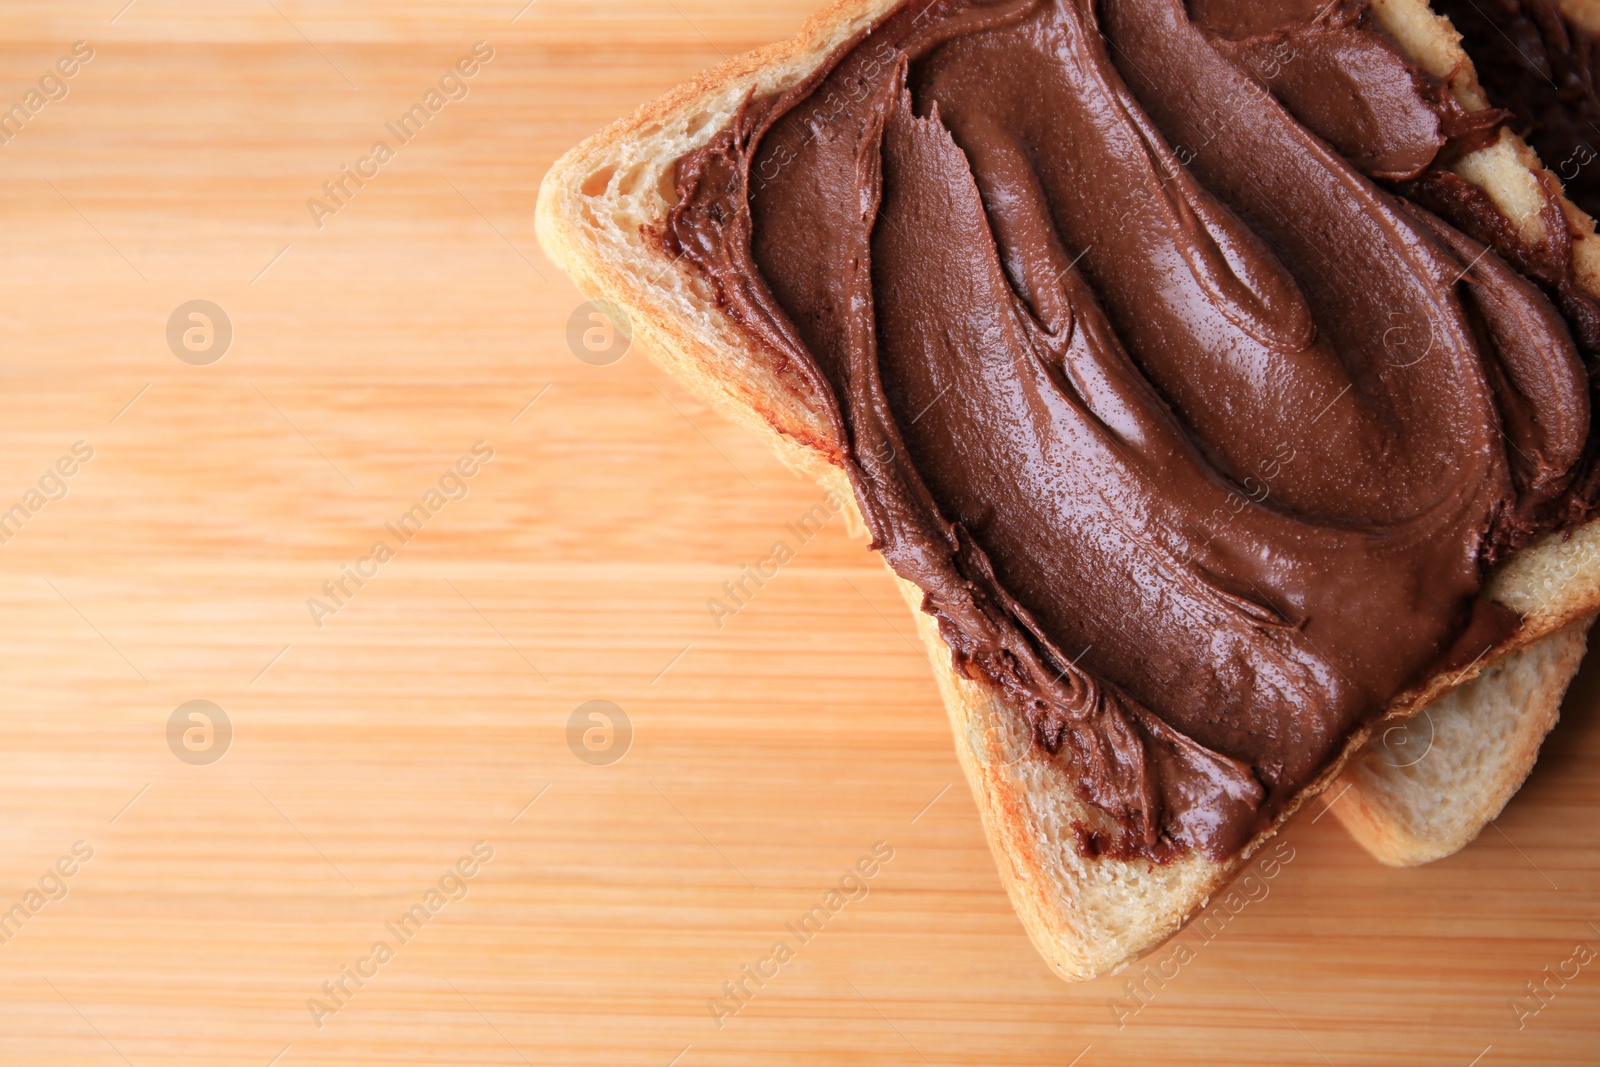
{"points": [[1421, 792], [1425, 788], [598, 209]]}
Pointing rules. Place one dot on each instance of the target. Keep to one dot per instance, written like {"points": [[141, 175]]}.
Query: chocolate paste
{"points": [[1531, 59], [1534, 61], [1196, 438]]}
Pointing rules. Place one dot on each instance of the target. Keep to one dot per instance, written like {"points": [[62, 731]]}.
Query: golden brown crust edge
{"points": [[1087, 917]]}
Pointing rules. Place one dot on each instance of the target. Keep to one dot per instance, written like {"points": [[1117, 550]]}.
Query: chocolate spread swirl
{"points": [[1535, 61], [1196, 437]]}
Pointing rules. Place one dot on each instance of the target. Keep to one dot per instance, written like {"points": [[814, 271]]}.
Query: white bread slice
{"points": [[1087, 917], [1428, 786], [1391, 802]]}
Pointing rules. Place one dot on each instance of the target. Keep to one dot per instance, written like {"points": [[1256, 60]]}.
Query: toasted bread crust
{"points": [[1087, 916]]}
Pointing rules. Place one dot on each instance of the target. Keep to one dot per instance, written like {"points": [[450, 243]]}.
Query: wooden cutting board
{"points": [[416, 763]]}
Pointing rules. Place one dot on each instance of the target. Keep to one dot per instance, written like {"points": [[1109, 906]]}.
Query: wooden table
{"points": [[432, 708]]}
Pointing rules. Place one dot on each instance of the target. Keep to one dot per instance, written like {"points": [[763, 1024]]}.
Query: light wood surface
{"points": [[369, 755]]}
